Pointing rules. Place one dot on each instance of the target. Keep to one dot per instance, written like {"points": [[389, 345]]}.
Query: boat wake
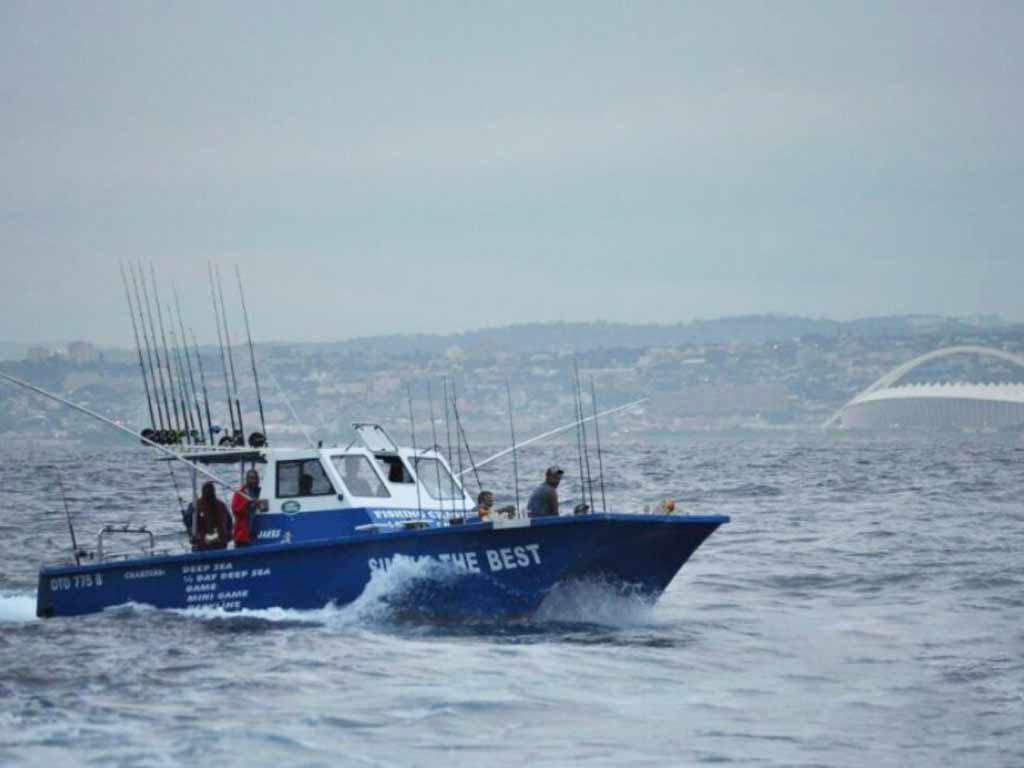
{"points": [[16, 607], [399, 592], [597, 603]]}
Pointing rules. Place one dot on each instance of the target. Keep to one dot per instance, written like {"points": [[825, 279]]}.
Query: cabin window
{"points": [[304, 477], [436, 479], [393, 468], [359, 476]]}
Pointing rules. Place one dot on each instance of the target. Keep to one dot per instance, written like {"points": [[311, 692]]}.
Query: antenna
{"points": [[223, 361], [512, 429], [188, 360], [166, 364], [597, 434], [202, 380], [252, 357], [415, 461], [138, 348], [67, 513], [231, 358]]}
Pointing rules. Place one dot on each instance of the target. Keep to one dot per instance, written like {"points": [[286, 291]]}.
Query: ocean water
{"points": [[865, 607]]}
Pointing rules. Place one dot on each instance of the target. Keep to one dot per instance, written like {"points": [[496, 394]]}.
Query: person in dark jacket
{"points": [[544, 499], [213, 523]]}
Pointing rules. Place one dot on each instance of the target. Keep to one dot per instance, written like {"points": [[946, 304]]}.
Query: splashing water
{"points": [[17, 607]]}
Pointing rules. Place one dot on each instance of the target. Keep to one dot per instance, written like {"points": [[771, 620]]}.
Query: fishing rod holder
{"points": [[124, 529]]}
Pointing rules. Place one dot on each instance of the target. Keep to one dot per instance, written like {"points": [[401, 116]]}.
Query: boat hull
{"points": [[475, 570]]}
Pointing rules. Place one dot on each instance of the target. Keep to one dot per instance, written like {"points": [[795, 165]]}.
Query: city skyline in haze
{"points": [[398, 169]]}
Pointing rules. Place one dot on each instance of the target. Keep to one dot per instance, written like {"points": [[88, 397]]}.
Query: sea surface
{"points": [[864, 607]]}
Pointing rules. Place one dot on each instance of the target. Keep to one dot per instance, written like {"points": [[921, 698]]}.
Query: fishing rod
{"points": [[291, 409], [252, 356], [120, 427], [448, 438], [583, 428], [231, 358], [173, 427], [597, 434], [577, 407], [412, 431], [202, 380], [190, 432], [515, 453], [469, 453], [188, 361], [433, 432], [67, 510], [171, 387], [138, 348], [223, 361], [458, 446], [559, 430], [162, 412]]}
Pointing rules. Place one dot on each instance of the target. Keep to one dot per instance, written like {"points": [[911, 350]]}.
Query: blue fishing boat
{"points": [[329, 519]]}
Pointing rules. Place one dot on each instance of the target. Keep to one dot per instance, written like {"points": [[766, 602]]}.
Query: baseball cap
{"points": [[554, 469]]}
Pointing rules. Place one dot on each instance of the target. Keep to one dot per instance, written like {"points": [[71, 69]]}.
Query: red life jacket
{"points": [[240, 510]]}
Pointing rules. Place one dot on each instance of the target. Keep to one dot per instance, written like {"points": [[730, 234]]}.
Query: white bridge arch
{"points": [[900, 371]]}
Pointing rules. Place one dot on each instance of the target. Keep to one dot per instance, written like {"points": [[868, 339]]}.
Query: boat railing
{"points": [[147, 547]]}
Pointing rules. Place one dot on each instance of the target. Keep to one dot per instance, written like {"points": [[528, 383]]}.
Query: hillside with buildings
{"points": [[736, 373]]}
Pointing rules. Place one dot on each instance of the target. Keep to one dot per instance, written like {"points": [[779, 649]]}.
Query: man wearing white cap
{"points": [[544, 499]]}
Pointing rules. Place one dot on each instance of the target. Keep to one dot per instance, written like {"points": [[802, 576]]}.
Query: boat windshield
{"points": [[436, 478], [359, 476]]}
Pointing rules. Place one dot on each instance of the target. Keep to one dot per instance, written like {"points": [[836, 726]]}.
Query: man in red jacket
{"points": [[243, 506]]}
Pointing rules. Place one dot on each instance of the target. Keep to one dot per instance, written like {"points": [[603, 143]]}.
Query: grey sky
{"points": [[442, 166]]}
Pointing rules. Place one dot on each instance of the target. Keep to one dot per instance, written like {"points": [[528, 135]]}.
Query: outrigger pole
{"points": [[231, 356], [188, 361], [558, 431], [138, 348], [578, 408], [252, 353], [154, 364], [111, 423], [223, 358]]}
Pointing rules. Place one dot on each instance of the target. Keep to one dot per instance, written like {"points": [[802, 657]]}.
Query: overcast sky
{"points": [[378, 168]]}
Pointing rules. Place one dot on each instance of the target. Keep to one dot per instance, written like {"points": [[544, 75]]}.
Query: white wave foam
{"points": [[383, 595], [594, 602], [16, 607]]}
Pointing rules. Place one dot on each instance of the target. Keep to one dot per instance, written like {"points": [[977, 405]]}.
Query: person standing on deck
{"points": [[544, 499], [244, 505], [212, 520]]}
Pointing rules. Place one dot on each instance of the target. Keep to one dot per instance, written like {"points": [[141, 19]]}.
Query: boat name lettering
{"points": [[390, 515], [77, 581], [272, 533], [501, 559], [145, 573]]}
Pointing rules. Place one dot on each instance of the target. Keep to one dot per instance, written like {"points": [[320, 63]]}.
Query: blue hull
{"points": [[474, 570]]}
